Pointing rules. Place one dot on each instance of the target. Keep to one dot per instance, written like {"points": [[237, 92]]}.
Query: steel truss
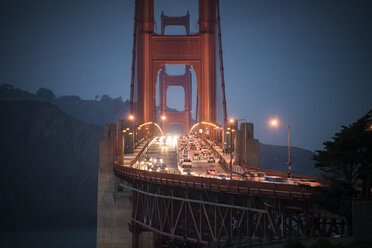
{"points": [[202, 216]]}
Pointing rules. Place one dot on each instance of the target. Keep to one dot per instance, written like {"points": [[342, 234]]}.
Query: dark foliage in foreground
{"points": [[347, 162]]}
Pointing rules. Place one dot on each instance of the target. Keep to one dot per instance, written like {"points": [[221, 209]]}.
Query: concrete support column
{"points": [[114, 206], [248, 146]]}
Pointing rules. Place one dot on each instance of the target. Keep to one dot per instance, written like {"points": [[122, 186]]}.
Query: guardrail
{"points": [[256, 188], [268, 172], [140, 152], [222, 161]]}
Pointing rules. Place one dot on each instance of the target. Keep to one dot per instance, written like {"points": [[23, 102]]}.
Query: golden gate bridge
{"points": [[147, 198]]}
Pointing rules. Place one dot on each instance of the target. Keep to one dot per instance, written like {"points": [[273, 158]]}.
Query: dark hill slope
{"points": [[273, 157], [48, 167], [100, 112]]}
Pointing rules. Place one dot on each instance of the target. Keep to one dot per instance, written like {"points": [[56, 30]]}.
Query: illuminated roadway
{"points": [[167, 147]]}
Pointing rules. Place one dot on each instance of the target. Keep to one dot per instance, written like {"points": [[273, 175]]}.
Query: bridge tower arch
{"points": [[153, 51], [165, 81]]}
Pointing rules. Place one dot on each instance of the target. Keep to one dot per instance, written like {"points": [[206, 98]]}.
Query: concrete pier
{"points": [[114, 206]]}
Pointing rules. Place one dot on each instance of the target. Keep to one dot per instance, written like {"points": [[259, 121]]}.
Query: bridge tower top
{"points": [[175, 21], [202, 51]]}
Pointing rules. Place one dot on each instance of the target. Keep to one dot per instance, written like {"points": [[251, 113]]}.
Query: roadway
{"points": [[166, 148], [170, 149]]}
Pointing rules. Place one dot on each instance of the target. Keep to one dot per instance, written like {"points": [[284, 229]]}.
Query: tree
{"points": [[45, 94], [106, 98], [347, 162]]}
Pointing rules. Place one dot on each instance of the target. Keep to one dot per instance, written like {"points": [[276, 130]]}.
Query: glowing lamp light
{"points": [[231, 120], [163, 117], [274, 122], [131, 117]]}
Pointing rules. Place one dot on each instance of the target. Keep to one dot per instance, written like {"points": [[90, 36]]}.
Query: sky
{"points": [[308, 63]]}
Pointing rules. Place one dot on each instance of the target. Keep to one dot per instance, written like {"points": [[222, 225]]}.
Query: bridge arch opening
{"points": [[175, 99], [176, 88], [175, 129], [174, 30]]}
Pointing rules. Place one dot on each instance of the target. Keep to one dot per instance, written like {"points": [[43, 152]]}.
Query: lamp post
{"points": [[231, 145], [131, 119], [147, 151], [163, 119], [275, 123], [123, 143]]}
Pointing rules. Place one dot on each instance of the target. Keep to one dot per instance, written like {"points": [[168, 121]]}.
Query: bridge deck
{"points": [[256, 188]]}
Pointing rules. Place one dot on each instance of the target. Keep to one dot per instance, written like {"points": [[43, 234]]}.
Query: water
{"points": [[79, 237]]}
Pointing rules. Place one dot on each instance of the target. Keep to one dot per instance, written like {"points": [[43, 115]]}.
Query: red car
{"points": [[211, 171]]}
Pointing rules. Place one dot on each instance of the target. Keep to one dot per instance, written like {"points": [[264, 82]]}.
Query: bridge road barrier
{"points": [[284, 174], [222, 161], [244, 167], [141, 152], [204, 183]]}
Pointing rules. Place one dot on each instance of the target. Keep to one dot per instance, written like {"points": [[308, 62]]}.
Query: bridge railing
{"points": [[257, 188], [226, 166], [140, 152]]}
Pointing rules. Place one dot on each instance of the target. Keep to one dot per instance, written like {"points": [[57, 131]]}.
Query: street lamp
{"points": [[231, 145], [123, 143], [147, 151], [134, 141], [275, 123]]}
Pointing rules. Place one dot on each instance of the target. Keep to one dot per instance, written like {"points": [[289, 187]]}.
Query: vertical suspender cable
{"points": [[221, 65], [133, 59], [197, 109]]}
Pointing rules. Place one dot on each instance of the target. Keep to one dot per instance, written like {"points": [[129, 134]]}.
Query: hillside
{"points": [[49, 164], [274, 157], [100, 112]]}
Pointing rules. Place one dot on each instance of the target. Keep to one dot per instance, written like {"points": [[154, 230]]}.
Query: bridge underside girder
{"points": [[203, 216]]}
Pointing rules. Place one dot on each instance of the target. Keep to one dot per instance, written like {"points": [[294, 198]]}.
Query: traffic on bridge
{"points": [[206, 184], [194, 156]]}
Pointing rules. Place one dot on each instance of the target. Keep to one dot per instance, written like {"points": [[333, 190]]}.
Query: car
{"points": [[274, 179], [212, 171], [186, 165], [248, 172], [196, 156], [158, 160], [222, 176], [211, 160], [235, 177], [187, 172], [187, 160], [292, 181], [153, 167], [256, 176], [163, 167], [310, 182]]}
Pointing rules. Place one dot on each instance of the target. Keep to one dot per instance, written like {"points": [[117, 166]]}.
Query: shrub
{"points": [[295, 244], [322, 243]]}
